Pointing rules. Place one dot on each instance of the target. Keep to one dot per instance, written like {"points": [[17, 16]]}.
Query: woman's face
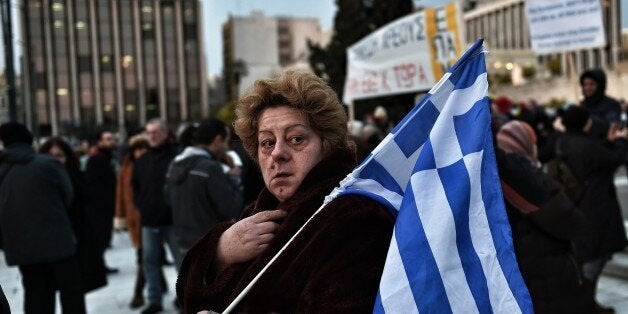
{"points": [[288, 149], [57, 153]]}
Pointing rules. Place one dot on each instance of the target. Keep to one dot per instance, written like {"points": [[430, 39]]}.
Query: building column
{"points": [[95, 61], [117, 66], [50, 70], [202, 61], [27, 93], [183, 90], [163, 112], [141, 89], [615, 34], [74, 89]]}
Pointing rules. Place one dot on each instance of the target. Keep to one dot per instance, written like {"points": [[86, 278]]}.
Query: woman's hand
{"points": [[247, 238]]}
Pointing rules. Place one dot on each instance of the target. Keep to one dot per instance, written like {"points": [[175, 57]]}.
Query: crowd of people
{"points": [[59, 208], [224, 199]]}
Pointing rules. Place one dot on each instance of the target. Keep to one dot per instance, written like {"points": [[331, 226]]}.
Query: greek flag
{"points": [[451, 249]]}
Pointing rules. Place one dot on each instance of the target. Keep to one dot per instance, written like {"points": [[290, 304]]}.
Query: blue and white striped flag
{"points": [[451, 249]]}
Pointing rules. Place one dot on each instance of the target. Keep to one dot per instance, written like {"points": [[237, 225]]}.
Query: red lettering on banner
{"points": [[384, 80], [422, 77], [369, 84], [405, 74], [353, 85]]}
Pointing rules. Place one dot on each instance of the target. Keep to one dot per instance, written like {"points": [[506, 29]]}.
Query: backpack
{"points": [[559, 170]]}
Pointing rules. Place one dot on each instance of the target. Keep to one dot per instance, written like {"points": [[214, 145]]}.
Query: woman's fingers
{"points": [[267, 227], [269, 215], [265, 238]]}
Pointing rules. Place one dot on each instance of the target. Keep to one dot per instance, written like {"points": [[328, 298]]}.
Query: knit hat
{"points": [[503, 104], [575, 118], [519, 138], [13, 132]]}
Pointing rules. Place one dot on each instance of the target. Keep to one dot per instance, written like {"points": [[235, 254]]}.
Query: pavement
{"points": [[113, 298]]}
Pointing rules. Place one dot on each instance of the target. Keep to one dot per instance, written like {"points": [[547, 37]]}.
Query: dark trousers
{"points": [[41, 281]]}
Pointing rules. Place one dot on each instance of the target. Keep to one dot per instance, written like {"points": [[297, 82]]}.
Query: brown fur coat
{"points": [[125, 207], [333, 266]]}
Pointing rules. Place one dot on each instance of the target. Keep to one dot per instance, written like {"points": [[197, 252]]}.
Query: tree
{"points": [[354, 20], [233, 71]]}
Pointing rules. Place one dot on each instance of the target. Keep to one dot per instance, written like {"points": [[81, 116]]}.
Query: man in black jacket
{"points": [[35, 193], [201, 194], [101, 183], [604, 110], [148, 181]]}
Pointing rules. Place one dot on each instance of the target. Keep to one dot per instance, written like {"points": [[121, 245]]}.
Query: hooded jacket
{"points": [[333, 266], [201, 195], [35, 193], [603, 109]]}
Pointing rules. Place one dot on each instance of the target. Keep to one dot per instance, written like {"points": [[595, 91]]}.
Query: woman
{"points": [[92, 269], [125, 208], [295, 128], [544, 222]]}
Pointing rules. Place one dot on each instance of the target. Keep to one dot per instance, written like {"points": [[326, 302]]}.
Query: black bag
{"points": [[559, 170]]}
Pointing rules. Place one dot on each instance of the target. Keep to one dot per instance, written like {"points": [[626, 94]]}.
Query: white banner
{"points": [[565, 25], [407, 55]]}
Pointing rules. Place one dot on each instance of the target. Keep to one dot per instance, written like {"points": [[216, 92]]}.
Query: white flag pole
{"points": [[246, 290]]}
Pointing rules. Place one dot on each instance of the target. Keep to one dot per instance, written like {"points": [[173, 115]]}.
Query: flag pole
{"points": [[246, 290]]}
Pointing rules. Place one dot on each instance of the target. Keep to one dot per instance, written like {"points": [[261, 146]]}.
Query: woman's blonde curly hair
{"points": [[300, 90]]}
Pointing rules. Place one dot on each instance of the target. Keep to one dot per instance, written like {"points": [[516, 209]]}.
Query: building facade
{"points": [[113, 63], [284, 46], [504, 26]]}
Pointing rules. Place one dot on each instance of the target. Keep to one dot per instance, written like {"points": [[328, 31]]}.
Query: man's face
{"points": [[106, 141], [589, 87], [155, 135]]}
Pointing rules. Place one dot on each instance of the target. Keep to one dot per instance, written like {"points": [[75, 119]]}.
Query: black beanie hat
{"points": [[208, 130], [13, 132], [575, 118]]}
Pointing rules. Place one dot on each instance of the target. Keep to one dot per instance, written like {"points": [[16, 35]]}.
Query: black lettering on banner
{"points": [[420, 28], [445, 49]]}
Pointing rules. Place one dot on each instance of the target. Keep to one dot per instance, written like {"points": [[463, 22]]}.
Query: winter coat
{"points": [[201, 195], [603, 109], [594, 164], [149, 184], [333, 266], [543, 223], [89, 257], [35, 192], [101, 183], [125, 207]]}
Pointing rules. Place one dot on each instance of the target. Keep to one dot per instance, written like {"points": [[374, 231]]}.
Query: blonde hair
{"points": [[300, 90]]}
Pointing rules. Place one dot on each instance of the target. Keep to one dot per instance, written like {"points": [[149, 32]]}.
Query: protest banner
{"points": [[407, 55], [565, 25]]}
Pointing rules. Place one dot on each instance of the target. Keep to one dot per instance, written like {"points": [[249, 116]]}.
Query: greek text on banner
{"points": [[407, 55], [565, 25]]}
